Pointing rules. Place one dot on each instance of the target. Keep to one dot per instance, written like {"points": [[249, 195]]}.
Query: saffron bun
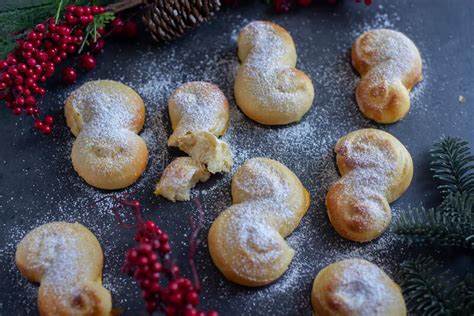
{"points": [[246, 241], [376, 170], [268, 89], [66, 260], [390, 65], [106, 116], [197, 107], [356, 287], [179, 177]]}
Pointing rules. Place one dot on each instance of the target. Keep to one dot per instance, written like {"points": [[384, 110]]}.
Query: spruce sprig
{"points": [[426, 294], [452, 222], [91, 33], [453, 165]]}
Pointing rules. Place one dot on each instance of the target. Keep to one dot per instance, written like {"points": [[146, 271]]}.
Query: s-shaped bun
{"points": [[106, 116], [376, 169], [246, 241], [66, 260], [268, 89], [390, 65]]}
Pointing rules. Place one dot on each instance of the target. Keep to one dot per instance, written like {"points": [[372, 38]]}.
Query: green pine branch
{"points": [[426, 294], [453, 166], [91, 33], [450, 224]]}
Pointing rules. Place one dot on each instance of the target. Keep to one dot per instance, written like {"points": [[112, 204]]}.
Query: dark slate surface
{"points": [[38, 184]]}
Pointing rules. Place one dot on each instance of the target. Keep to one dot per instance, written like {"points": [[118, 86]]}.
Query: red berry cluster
{"points": [[148, 262], [36, 57]]}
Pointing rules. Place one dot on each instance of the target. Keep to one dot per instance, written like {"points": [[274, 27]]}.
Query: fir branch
{"points": [[422, 292], [15, 20], [463, 295], [450, 224], [453, 165]]}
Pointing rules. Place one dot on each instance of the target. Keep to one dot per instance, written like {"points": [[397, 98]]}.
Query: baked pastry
{"points": [[197, 107], [199, 114], [206, 148], [268, 89], [106, 116], [376, 169], [390, 65], [356, 287], [179, 177], [246, 241], [66, 260]]}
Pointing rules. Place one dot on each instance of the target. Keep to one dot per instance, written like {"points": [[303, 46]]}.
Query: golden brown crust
{"points": [[246, 241], [390, 65], [268, 89], [105, 116], [376, 169], [356, 287], [66, 259]]}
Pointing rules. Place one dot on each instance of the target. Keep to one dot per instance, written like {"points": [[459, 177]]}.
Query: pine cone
{"points": [[169, 19]]}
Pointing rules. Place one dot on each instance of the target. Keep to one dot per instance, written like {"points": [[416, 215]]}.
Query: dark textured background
{"points": [[38, 184]]}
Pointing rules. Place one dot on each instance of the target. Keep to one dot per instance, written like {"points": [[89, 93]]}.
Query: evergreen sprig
{"points": [[91, 33], [452, 222], [426, 294], [453, 165]]}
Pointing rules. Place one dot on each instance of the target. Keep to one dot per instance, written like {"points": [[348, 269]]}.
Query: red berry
{"points": [[30, 100], [13, 71], [31, 62], [40, 28], [56, 59], [192, 298], [20, 101], [3, 64], [281, 6], [18, 80], [87, 61], [150, 306], [165, 248], [48, 120], [30, 110], [41, 91], [27, 46], [17, 111], [87, 10], [164, 238], [98, 46], [79, 11], [176, 298], [191, 312], [71, 49], [145, 249], [117, 25], [46, 129], [130, 29], [69, 74], [212, 313]]}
